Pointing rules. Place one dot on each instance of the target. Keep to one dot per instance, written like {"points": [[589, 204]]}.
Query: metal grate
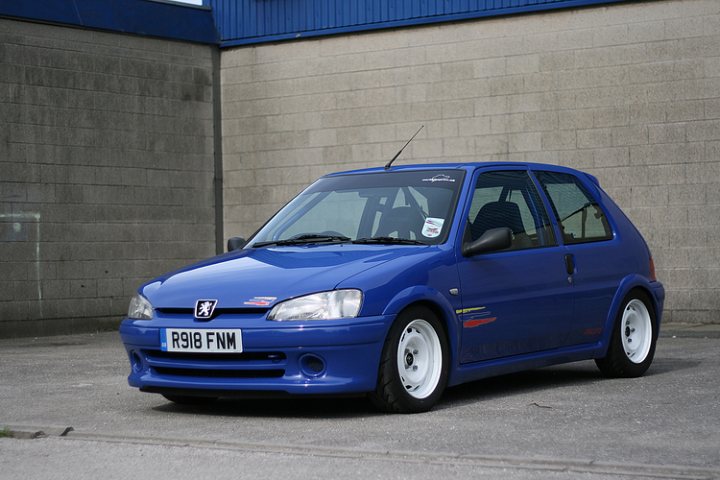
{"points": [[191, 372], [218, 311], [241, 357]]}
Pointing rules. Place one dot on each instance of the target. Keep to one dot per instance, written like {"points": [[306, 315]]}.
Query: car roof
{"points": [[468, 166], [464, 166]]}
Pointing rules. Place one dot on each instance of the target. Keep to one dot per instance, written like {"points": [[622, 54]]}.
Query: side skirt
{"points": [[500, 366]]}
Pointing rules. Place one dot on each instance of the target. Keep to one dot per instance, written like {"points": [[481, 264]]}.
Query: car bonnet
{"points": [[264, 276]]}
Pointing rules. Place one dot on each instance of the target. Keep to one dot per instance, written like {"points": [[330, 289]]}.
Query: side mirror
{"points": [[490, 241], [235, 243]]}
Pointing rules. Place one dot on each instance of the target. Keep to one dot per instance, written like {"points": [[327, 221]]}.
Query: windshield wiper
{"points": [[305, 238], [388, 240]]}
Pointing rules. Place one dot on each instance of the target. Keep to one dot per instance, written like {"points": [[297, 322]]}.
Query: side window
{"points": [[509, 199], [581, 218]]}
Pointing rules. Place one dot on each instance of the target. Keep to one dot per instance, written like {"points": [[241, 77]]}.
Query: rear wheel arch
{"points": [[629, 284], [633, 336], [626, 290], [645, 291]]}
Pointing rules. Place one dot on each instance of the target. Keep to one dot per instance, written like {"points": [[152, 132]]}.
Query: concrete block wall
{"points": [[629, 92], [106, 171]]}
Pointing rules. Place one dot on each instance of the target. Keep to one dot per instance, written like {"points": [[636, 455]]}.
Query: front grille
{"points": [[217, 365], [241, 357], [190, 312], [190, 372]]}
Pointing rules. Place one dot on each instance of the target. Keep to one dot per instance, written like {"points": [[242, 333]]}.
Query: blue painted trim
{"points": [[501, 366], [228, 24], [271, 22], [142, 17]]}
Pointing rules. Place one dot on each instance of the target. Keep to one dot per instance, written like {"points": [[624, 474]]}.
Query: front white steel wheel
{"points": [[636, 331], [419, 358], [632, 344], [414, 363]]}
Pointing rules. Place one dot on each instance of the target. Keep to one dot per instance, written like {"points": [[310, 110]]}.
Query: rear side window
{"points": [[509, 199], [581, 218]]}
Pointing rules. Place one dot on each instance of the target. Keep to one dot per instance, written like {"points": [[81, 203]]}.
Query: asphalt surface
{"points": [[564, 422]]}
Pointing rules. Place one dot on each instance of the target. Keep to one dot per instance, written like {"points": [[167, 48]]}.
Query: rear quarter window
{"points": [[579, 215]]}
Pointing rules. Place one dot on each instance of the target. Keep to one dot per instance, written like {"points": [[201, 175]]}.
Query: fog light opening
{"points": [[312, 365], [136, 362]]}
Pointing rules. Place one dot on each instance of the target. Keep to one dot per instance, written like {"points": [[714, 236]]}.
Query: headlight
{"points": [[319, 306], [140, 308]]}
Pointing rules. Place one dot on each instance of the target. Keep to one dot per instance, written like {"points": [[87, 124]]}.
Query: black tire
{"points": [[619, 362], [190, 400], [412, 327]]}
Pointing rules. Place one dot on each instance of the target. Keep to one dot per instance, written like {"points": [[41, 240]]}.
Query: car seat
{"points": [[498, 215], [401, 220]]}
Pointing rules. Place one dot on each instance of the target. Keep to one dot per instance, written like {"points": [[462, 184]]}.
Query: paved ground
{"points": [[563, 422]]}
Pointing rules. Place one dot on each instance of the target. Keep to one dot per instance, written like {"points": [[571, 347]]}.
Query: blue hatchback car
{"points": [[399, 282]]}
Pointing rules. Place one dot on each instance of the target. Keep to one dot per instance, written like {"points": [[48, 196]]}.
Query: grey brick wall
{"points": [[628, 92], [106, 171]]}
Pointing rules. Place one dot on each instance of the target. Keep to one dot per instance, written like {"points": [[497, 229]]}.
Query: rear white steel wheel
{"points": [[636, 331], [633, 340]]}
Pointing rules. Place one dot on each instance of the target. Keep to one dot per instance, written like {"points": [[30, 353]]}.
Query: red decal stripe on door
{"points": [[478, 322]]}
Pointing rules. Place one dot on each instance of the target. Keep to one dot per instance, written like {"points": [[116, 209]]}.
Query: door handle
{"points": [[569, 264]]}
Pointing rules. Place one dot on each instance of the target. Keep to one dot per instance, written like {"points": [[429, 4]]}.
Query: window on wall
{"points": [[509, 199], [581, 218]]}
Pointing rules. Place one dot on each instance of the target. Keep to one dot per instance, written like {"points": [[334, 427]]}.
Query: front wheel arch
{"points": [[439, 304], [436, 310], [429, 346]]}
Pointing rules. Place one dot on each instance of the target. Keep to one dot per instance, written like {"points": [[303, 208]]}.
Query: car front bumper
{"points": [[321, 357]]}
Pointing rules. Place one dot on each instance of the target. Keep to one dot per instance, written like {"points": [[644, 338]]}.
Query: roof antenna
{"points": [[389, 164]]}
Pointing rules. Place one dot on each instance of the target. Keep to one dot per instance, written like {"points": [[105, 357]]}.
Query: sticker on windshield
{"points": [[439, 178], [432, 227]]}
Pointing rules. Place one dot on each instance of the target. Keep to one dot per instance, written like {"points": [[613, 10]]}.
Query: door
{"points": [[518, 300], [590, 248]]}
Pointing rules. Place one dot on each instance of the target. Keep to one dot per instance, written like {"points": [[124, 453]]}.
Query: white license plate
{"points": [[200, 340]]}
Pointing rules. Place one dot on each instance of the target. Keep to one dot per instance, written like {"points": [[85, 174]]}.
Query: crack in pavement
{"points": [[431, 458]]}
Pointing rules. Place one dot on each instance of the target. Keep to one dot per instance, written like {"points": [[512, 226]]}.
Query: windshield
{"points": [[388, 207]]}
